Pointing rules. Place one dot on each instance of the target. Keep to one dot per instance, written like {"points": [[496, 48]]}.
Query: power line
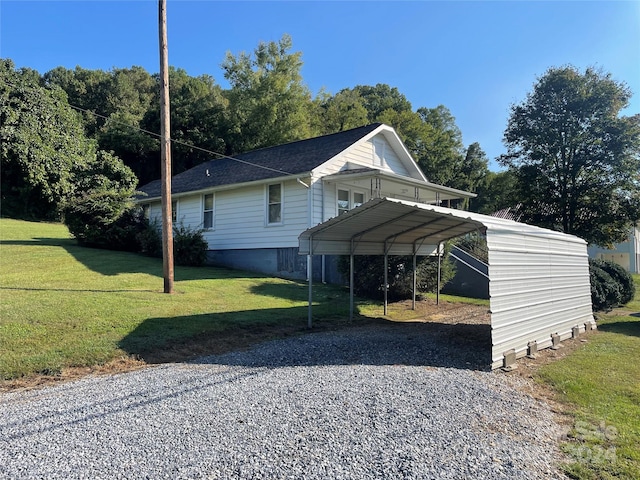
{"points": [[221, 155], [148, 132]]}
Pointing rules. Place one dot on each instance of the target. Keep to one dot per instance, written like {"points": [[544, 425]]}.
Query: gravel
{"points": [[369, 402]]}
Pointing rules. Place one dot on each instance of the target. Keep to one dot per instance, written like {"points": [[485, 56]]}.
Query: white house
{"points": [[254, 206], [625, 254]]}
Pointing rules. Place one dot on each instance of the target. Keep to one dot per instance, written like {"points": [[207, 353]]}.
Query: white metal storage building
{"points": [[539, 284]]}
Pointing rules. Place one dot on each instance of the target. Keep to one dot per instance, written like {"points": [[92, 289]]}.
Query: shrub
{"points": [[189, 246], [369, 275], [605, 291], [150, 240], [622, 277], [104, 220]]}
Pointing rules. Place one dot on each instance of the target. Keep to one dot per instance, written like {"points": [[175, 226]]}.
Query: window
{"points": [[343, 201], [174, 211], [358, 199], [207, 215], [274, 203], [146, 211], [378, 153], [348, 200]]}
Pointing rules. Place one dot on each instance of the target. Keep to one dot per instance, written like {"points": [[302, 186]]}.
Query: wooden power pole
{"points": [[165, 152]]}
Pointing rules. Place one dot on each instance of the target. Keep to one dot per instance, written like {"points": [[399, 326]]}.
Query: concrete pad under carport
{"points": [[539, 285]]}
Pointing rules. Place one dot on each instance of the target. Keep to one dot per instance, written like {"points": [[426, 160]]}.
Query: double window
{"points": [[274, 204], [348, 199]]}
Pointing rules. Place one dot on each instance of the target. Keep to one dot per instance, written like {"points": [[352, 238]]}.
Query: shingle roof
{"points": [[291, 158]]}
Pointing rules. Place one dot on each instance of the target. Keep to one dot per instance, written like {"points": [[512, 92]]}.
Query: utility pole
{"points": [[165, 152]]}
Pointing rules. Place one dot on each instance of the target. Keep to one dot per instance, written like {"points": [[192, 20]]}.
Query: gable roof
{"points": [[290, 159]]}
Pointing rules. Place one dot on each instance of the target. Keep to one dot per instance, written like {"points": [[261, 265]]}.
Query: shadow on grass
{"points": [[279, 338], [631, 328], [113, 262]]}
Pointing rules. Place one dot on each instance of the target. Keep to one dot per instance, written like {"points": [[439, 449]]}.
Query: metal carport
{"points": [[539, 284]]}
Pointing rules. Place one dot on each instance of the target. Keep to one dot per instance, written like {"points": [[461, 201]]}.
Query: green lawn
{"points": [[601, 384], [63, 305]]}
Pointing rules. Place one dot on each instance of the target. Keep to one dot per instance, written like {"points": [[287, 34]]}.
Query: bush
{"points": [[622, 277], [369, 275], [189, 246], [611, 285], [103, 220], [150, 240]]}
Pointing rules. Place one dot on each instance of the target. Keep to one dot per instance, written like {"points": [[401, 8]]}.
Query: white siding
{"points": [[362, 155], [539, 286], [240, 218]]}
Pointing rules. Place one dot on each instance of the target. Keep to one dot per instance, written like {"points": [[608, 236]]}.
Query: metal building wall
{"points": [[539, 287]]}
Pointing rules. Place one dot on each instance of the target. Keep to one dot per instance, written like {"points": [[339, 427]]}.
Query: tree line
{"points": [[69, 132]]}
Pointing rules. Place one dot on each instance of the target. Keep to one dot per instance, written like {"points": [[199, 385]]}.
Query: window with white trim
{"points": [[146, 211], [274, 203], [348, 199], [207, 211]]}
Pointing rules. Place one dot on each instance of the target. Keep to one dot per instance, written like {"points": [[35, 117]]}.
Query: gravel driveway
{"points": [[366, 402]]}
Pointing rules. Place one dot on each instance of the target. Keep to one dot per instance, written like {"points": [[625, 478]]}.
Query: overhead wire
{"points": [[148, 132], [173, 140]]}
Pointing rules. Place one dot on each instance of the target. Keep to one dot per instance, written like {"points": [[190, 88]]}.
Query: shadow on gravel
{"points": [[285, 342], [432, 344]]}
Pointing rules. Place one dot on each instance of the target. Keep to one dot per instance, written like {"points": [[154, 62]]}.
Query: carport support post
{"points": [[439, 268], [386, 274], [310, 272], [351, 286], [413, 302]]}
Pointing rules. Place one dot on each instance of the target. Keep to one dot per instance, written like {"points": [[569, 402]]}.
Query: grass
{"points": [[600, 383], [64, 306]]}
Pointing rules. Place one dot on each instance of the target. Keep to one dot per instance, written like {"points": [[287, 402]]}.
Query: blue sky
{"points": [[476, 58]]}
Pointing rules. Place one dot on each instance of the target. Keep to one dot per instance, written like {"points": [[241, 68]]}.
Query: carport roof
{"points": [[404, 227], [539, 279]]}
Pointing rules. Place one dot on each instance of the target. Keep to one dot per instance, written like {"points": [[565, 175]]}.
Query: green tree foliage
{"points": [[115, 104], [339, 112], [198, 119], [42, 143], [101, 213], [268, 103], [381, 98], [496, 192], [575, 158]]}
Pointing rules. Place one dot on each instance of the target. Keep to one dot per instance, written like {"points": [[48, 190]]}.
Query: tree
{"points": [[381, 98], [575, 158], [42, 142], [103, 194], [198, 118], [473, 172], [268, 103], [496, 192], [340, 112]]}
